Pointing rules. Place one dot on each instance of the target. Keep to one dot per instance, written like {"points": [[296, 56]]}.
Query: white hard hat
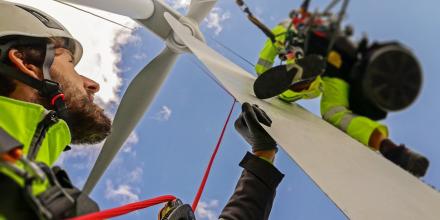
{"points": [[23, 20]]}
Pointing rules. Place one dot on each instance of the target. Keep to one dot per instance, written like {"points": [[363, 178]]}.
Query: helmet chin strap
{"points": [[51, 89], [47, 88]]}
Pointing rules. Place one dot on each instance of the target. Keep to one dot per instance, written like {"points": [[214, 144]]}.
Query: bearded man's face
{"points": [[87, 122]]}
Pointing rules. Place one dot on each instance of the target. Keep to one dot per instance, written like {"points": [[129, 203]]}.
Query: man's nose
{"points": [[90, 85]]}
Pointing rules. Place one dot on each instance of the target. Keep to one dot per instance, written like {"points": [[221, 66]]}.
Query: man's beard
{"points": [[87, 122]]}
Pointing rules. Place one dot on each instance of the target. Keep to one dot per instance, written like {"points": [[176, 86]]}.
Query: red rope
{"points": [[211, 161], [110, 213], [122, 210]]}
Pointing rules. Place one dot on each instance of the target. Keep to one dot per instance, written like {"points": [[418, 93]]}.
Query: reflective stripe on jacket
{"points": [[270, 51], [335, 110], [20, 120]]}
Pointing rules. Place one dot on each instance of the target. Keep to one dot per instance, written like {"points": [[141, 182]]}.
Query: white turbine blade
{"points": [[199, 9], [156, 23], [360, 182], [136, 9], [134, 103]]}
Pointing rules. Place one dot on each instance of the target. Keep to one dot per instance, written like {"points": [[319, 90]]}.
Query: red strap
{"points": [[110, 213], [55, 98], [208, 168]]}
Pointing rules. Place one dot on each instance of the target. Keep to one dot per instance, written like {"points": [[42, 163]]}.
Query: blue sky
{"points": [[170, 153]]}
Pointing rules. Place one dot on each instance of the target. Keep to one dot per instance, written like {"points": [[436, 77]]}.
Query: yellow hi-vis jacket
{"points": [[20, 120], [268, 55]]}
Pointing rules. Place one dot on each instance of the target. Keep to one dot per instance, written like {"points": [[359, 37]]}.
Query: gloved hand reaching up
{"points": [[248, 125]]}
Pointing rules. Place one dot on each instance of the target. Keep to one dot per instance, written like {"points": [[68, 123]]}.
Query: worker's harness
{"points": [[55, 201], [322, 24]]}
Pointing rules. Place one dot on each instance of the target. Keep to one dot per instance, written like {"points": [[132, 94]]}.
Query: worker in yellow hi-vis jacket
{"points": [[265, 63], [360, 85]]}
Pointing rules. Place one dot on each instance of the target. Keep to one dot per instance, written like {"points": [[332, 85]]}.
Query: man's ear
{"points": [[29, 69]]}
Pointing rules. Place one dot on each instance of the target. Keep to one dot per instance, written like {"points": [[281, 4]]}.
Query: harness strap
{"points": [[48, 61], [13, 73], [40, 134]]}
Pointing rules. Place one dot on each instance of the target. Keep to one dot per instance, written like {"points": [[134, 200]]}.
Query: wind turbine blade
{"points": [[361, 183], [199, 9], [136, 9], [136, 100], [156, 23]]}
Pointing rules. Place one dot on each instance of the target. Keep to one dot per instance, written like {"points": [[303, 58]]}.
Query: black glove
{"points": [[248, 125]]}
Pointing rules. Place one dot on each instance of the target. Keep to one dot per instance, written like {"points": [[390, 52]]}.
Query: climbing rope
{"points": [[122, 210], [211, 161]]}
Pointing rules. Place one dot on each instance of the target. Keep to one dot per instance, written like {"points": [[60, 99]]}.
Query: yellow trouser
{"points": [[335, 110]]}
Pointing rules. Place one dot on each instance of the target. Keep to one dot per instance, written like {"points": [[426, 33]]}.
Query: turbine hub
{"points": [[192, 28]]}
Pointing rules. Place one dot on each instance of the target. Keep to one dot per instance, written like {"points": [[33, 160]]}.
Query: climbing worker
{"points": [[298, 78], [45, 106], [360, 85], [297, 73]]}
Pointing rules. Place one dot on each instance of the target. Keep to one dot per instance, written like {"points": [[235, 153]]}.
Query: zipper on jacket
{"points": [[40, 133]]}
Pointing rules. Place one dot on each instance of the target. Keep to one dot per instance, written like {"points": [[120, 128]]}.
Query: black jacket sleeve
{"points": [[255, 191]]}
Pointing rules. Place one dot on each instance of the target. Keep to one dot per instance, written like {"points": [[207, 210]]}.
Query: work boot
{"points": [[409, 160], [312, 66], [278, 79], [274, 81]]}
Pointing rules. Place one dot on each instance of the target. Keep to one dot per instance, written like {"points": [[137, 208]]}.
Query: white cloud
{"points": [[179, 5], [164, 114], [122, 189], [132, 140], [101, 41], [87, 155], [214, 19], [206, 210], [140, 56], [121, 193], [135, 175]]}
